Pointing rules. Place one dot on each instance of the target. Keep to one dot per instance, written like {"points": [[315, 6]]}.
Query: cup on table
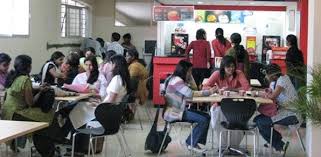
{"points": [[220, 91], [254, 93], [226, 93], [241, 92]]}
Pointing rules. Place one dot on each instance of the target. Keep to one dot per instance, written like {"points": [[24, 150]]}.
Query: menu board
{"points": [[173, 13], [221, 16]]}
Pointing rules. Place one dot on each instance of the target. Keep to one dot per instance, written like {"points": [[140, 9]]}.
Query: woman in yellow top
{"points": [[138, 73]]}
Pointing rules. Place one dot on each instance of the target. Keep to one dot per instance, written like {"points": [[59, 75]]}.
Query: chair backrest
{"points": [[238, 111], [109, 116]]}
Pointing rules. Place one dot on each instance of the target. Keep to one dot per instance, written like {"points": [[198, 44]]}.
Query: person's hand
{"points": [[208, 65], [213, 89]]}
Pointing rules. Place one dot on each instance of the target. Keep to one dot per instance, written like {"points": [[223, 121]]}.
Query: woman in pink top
{"points": [[228, 77], [220, 45], [201, 56]]}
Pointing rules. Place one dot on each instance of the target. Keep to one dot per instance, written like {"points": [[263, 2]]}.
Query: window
{"points": [[74, 17], [14, 15]]}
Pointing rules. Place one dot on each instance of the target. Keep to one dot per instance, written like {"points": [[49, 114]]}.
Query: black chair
{"points": [[109, 116], [237, 112]]}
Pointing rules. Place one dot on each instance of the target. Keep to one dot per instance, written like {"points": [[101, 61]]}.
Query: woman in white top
{"points": [[84, 111], [95, 81], [283, 92], [119, 84]]}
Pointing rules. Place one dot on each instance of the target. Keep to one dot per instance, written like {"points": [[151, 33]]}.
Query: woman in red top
{"points": [[220, 44], [201, 56]]}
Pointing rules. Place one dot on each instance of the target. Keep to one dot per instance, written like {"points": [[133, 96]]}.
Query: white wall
{"points": [[313, 133], [44, 27], [103, 26]]}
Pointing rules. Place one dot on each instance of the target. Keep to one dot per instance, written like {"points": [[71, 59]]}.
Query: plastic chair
{"points": [[237, 113], [109, 116]]}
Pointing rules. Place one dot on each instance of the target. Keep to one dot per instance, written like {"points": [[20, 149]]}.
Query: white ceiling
{"points": [[224, 2], [139, 10]]}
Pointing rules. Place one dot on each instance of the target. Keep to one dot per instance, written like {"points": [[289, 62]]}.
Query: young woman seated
{"points": [[70, 69], [119, 84], [49, 72], [90, 51], [105, 68], [177, 90], [4, 67], [20, 105], [227, 78], [138, 75], [283, 92], [95, 82]]}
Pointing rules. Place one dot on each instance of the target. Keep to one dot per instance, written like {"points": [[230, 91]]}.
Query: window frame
{"points": [[67, 20], [29, 27]]}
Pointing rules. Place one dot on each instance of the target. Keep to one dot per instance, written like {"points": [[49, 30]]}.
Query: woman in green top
{"points": [[239, 53], [20, 102]]}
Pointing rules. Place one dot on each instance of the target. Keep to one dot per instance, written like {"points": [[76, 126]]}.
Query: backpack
{"points": [[155, 138]]}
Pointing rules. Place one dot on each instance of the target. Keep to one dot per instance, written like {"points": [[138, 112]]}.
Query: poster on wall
{"points": [[179, 43], [251, 47], [268, 43], [221, 16], [173, 13]]}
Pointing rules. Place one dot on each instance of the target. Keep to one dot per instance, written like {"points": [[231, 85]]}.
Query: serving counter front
{"points": [[163, 66]]}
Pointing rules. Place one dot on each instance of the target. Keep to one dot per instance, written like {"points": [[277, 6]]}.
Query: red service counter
{"points": [[163, 66]]}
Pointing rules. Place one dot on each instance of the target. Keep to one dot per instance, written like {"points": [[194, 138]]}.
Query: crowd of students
{"points": [[109, 79], [233, 74], [118, 71]]}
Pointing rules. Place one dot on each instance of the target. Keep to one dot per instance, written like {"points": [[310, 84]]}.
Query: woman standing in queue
{"points": [[240, 54], [201, 56]]}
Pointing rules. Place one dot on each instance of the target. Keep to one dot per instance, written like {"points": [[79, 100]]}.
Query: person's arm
{"points": [[28, 94], [111, 98], [246, 64], [208, 54], [55, 74], [217, 52], [245, 85], [277, 91], [188, 50], [211, 82]]}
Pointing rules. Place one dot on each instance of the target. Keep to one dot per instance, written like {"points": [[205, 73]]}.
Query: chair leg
{"points": [[271, 140], [255, 144], [300, 138], [167, 132], [121, 144], [105, 143], [126, 144], [192, 152], [91, 144], [212, 129], [220, 145], [73, 144]]}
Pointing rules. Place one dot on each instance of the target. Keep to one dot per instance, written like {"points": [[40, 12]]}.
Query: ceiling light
{"points": [[199, 2]]}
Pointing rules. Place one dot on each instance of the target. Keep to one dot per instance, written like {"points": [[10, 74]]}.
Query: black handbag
{"points": [[154, 138], [46, 100]]}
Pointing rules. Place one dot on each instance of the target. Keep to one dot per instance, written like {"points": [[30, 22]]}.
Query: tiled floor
{"points": [[136, 139]]}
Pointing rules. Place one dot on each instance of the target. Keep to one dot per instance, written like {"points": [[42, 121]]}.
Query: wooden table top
{"points": [[75, 98], [13, 129], [218, 98]]}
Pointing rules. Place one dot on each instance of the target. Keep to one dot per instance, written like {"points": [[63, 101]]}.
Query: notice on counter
{"points": [[173, 13]]}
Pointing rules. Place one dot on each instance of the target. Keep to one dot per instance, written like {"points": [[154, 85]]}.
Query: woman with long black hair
{"points": [[49, 72], [20, 104], [201, 56], [220, 45], [240, 54], [294, 62], [119, 85]]}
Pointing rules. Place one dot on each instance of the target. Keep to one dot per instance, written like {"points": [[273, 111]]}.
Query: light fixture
{"points": [[200, 2]]}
